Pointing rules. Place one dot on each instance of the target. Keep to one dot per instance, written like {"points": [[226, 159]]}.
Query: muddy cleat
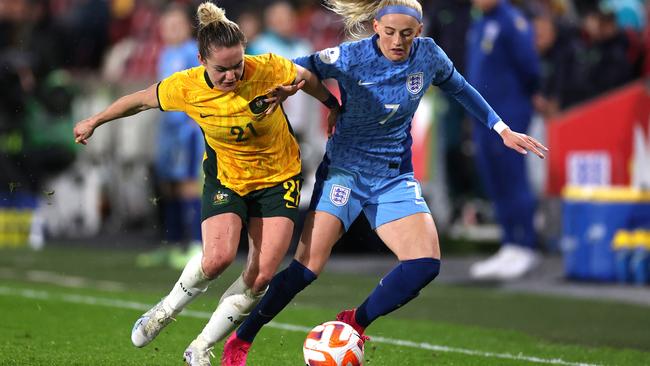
{"points": [[235, 351], [198, 353], [348, 317], [151, 323]]}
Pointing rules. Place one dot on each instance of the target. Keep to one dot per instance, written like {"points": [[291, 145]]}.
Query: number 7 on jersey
{"points": [[393, 109]]}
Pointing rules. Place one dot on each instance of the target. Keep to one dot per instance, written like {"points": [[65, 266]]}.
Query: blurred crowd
{"points": [[48, 48]]}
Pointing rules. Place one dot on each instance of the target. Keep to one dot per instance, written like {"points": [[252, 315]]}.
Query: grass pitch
{"points": [[76, 306]]}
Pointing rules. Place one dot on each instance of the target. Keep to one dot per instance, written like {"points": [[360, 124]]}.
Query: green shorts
{"points": [[279, 200]]}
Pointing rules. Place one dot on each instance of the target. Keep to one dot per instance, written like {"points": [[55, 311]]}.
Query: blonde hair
{"points": [[358, 14], [215, 30]]}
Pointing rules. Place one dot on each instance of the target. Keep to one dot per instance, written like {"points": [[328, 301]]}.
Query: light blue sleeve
{"points": [[468, 97], [329, 63], [440, 62]]}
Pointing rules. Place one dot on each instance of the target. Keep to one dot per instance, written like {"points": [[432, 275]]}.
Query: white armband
{"points": [[500, 126]]}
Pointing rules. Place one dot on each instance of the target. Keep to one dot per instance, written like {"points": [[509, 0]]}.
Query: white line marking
{"points": [[124, 304], [62, 280]]}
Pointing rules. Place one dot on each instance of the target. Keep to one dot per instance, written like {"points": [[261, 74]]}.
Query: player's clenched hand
{"points": [[83, 130], [522, 143], [278, 95]]}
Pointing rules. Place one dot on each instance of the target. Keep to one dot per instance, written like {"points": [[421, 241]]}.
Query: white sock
{"points": [[190, 284], [234, 306]]}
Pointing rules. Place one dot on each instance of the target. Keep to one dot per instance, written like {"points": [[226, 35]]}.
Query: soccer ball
{"points": [[333, 344]]}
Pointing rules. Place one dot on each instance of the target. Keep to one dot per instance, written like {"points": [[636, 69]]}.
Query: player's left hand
{"points": [[332, 116], [522, 143], [278, 95]]}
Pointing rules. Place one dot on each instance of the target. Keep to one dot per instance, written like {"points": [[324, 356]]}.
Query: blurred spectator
{"points": [[180, 152], [85, 27], [629, 14], [48, 148], [35, 112], [602, 60], [250, 25], [303, 112], [279, 35], [135, 57], [555, 47], [448, 22], [503, 66], [35, 108], [561, 11]]}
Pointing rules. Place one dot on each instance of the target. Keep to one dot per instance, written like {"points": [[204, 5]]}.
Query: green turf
{"points": [[89, 322]]}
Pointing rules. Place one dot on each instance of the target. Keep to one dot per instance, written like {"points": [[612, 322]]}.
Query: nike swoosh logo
{"points": [[362, 83], [205, 115]]}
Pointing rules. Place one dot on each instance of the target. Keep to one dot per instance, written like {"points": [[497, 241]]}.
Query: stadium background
{"points": [[62, 60]]}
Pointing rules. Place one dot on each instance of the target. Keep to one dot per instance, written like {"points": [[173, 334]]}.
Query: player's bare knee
{"points": [[213, 266]]}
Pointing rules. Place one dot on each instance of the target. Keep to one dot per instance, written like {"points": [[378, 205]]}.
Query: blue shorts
{"points": [[180, 151], [345, 194]]}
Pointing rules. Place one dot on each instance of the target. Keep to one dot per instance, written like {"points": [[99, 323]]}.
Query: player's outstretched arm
{"points": [[125, 106], [522, 143], [309, 82], [315, 88]]}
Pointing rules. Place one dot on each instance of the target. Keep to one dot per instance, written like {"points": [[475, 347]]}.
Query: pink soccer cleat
{"points": [[235, 351], [348, 317]]}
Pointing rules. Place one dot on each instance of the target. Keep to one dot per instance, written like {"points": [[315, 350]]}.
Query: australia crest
{"points": [[220, 198], [339, 195], [258, 105], [415, 82]]}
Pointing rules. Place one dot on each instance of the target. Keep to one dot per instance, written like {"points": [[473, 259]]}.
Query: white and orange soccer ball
{"points": [[333, 344]]}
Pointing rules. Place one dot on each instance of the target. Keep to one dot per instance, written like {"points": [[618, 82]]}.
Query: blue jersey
{"points": [[171, 60], [380, 97]]}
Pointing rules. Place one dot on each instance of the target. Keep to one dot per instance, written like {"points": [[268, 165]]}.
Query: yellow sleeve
{"points": [[283, 69], [170, 93]]}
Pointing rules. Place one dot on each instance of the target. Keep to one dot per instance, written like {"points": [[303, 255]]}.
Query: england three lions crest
{"points": [[415, 82], [339, 195]]}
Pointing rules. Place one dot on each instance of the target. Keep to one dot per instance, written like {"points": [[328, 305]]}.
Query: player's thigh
{"points": [[269, 240], [320, 232], [221, 234], [411, 237], [402, 219], [273, 212], [335, 204], [223, 213]]}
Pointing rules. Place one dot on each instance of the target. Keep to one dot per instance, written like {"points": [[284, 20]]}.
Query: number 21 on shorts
{"points": [[292, 195]]}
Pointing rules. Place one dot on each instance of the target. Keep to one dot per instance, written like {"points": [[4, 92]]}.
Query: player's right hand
{"points": [[83, 130], [278, 95]]}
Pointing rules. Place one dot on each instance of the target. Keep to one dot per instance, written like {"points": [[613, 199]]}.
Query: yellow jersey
{"points": [[246, 150]]}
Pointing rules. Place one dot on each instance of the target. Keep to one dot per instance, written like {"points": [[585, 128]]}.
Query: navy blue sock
{"points": [[282, 289], [191, 215], [397, 288], [173, 224]]}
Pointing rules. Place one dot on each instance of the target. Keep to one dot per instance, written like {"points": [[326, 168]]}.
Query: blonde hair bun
{"points": [[210, 13]]}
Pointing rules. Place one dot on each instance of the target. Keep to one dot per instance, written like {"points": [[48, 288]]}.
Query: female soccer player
{"points": [[252, 170], [367, 166]]}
